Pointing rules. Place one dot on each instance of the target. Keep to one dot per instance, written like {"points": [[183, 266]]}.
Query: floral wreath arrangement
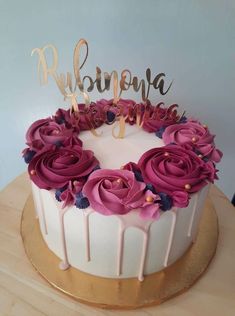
{"points": [[163, 178]]}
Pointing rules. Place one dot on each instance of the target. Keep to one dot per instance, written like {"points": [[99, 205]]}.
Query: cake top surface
{"points": [[113, 153]]}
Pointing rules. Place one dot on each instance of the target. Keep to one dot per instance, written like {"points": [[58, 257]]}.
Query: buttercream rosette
{"points": [[118, 192], [86, 118], [48, 132], [54, 167], [113, 110], [175, 171], [195, 135]]}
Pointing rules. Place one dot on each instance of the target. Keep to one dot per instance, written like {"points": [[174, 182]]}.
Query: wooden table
{"points": [[24, 292]]}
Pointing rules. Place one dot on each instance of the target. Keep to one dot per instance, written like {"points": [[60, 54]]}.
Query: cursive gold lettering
{"points": [[125, 85], [67, 85], [76, 62], [43, 69], [98, 81]]}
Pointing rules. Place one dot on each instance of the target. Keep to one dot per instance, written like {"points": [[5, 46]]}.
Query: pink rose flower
{"points": [[53, 168], [87, 118], [95, 114], [90, 117], [47, 131], [180, 198], [157, 117], [132, 166], [63, 116], [117, 192], [172, 168], [68, 196], [150, 209], [68, 118], [123, 107], [194, 134]]}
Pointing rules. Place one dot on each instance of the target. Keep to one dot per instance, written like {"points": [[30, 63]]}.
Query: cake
{"points": [[119, 187]]}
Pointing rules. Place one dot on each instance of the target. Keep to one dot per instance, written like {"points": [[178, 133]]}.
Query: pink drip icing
{"points": [[120, 249], [87, 234], [65, 263], [143, 256], [43, 212], [132, 219], [172, 230], [193, 215]]}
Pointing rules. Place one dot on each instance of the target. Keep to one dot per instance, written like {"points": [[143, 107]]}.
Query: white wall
{"points": [[193, 42]]}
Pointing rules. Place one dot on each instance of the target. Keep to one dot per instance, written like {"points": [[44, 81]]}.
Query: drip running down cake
{"points": [[119, 188]]}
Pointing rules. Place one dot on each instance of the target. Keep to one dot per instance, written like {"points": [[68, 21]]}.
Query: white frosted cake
{"points": [[120, 205]]}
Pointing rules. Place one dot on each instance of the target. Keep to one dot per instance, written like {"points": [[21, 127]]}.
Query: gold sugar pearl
{"points": [[32, 172], [166, 154], [149, 199], [200, 156], [119, 180], [55, 132], [187, 186], [205, 126], [194, 139]]}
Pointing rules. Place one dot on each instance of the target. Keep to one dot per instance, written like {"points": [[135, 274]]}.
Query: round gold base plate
{"points": [[126, 293]]}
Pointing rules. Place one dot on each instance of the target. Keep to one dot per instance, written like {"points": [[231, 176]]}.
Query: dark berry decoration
{"points": [[58, 144], [150, 187], [160, 132], [110, 117], [183, 119], [60, 120], [166, 201], [28, 156], [96, 168], [205, 159], [138, 176], [81, 202], [58, 193]]}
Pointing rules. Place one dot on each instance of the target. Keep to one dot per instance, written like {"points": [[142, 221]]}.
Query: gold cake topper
{"points": [[68, 85]]}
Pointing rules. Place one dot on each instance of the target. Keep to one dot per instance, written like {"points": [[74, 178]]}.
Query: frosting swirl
{"points": [[91, 117], [47, 131], [53, 167], [117, 192], [172, 168], [194, 134], [86, 119], [124, 107]]}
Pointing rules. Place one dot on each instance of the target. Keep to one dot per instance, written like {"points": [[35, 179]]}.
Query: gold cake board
{"points": [[126, 293]]}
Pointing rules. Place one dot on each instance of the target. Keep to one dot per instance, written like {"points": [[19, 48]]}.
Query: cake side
{"points": [[93, 243]]}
